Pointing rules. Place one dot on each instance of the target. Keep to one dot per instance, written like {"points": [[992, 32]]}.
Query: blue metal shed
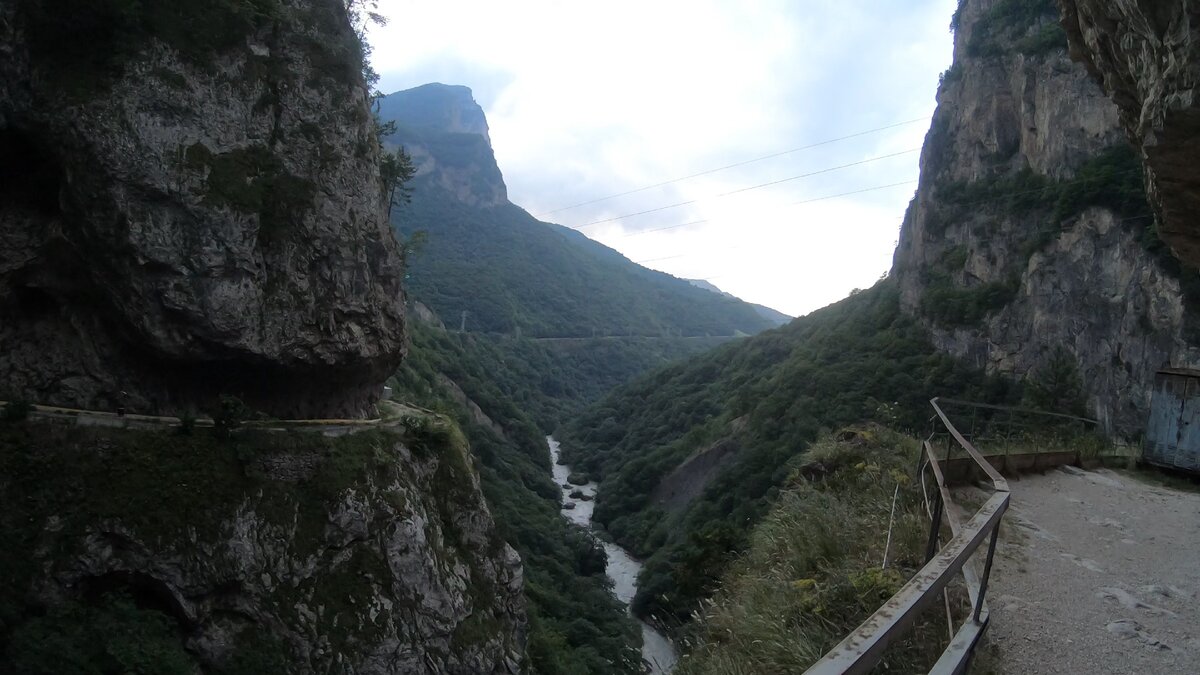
{"points": [[1173, 430]]}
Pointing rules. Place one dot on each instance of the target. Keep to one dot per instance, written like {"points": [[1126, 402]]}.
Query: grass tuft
{"points": [[814, 569]]}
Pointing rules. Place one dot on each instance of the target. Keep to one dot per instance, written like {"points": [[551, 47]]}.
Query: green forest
{"points": [[512, 273], [772, 395], [576, 626], [518, 280]]}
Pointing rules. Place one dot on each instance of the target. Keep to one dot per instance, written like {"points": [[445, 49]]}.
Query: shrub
{"points": [[187, 424], [1055, 385], [229, 415], [952, 306], [813, 570], [1009, 20]]}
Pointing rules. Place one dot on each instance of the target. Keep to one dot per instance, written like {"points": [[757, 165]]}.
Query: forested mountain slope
{"points": [[553, 321], [690, 455], [511, 272], [575, 623], [1029, 237]]}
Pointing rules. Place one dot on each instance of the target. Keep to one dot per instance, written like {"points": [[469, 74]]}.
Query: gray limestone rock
{"points": [[1087, 284], [1147, 57], [378, 556], [184, 216]]}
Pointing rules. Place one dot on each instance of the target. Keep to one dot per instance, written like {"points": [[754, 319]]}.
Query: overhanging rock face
{"points": [[1146, 54], [190, 207]]}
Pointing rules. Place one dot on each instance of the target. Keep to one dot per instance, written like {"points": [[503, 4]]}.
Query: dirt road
{"points": [[1098, 572]]}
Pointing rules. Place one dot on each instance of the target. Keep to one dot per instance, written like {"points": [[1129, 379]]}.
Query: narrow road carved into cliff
{"points": [[390, 414], [1098, 574]]}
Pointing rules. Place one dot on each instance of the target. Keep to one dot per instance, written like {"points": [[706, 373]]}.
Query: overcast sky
{"points": [[587, 100]]}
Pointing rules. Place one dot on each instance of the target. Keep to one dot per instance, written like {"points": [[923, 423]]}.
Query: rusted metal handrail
{"points": [[862, 649]]}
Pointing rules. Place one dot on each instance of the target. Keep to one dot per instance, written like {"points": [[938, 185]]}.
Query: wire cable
{"points": [[735, 165], [804, 201], [993, 198], [739, 190], [880, 187]]}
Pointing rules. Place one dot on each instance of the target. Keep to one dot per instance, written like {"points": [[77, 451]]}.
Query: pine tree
{"points": [[1055, 385]]}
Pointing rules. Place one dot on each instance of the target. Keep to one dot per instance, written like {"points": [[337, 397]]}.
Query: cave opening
{"points": [[30, 175], [146, 592]]}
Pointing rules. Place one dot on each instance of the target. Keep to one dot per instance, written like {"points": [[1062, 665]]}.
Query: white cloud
{"points": [[590, 99]]}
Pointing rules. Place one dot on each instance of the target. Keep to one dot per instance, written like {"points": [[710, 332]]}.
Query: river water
{"points": [[657, 650]]}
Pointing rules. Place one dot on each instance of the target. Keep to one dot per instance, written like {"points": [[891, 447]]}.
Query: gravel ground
{"points": [[1097, 572]]}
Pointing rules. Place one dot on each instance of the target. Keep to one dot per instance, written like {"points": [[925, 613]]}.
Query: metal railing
{"points": [[862, 649]]}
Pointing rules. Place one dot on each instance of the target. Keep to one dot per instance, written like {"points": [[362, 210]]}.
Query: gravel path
{"points": [[1097, 572]]}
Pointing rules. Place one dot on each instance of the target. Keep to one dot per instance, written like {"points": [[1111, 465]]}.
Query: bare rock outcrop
{"points": [[189, 207], [367, 554], [1030, 230], [1146, 54]]}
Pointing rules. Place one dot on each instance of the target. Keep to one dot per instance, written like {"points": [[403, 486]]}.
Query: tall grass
{"points": [[814, 571]]}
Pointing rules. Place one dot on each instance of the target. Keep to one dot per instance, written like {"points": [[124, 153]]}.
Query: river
{"points": [[657, 650]]}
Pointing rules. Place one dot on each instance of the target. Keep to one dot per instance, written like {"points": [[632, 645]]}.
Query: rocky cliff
{"points": [[489, 257], [370, 553], [189, 207], [1147, 57], [445, 131], [1030, 229]]}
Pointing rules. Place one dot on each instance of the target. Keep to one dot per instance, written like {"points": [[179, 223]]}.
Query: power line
{"points": [[751, 187], [735, 165], [723, 251], [997, 197], [993, 198], [670, 257], [673, 227], [805, 201], [976, 242]]}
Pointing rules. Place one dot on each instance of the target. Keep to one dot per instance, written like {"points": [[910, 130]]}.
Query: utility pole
{"points": [[462, 327]]}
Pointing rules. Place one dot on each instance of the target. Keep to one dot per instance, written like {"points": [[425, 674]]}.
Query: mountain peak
{"points": [[446, 133], [445, 108]]}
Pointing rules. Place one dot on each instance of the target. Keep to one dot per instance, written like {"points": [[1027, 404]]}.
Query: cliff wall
{"points": [[267, 553], [1030, 230], [1146, 55], [189, 207]]}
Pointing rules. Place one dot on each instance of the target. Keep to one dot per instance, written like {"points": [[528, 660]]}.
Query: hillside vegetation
{"points": [[511, 272], [769, 396], [148, 552], [814, 569], [519, 279], [546, 381], [576, 626]]}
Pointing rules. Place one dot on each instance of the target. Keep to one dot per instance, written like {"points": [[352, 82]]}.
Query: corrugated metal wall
{"points": [[1173, 430]]}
